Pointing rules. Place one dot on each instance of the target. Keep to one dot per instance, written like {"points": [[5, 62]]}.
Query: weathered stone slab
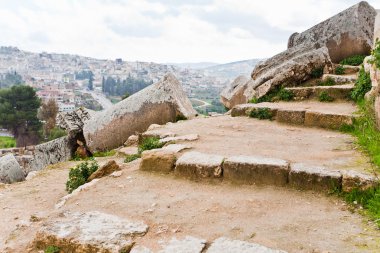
{"points": [[336, 91], [198, 165], [327, 120], [291, 116], [176, 148], [233, 94], [157, 104], [159, 160], [132, 140], [225, 245], [10, 170], [140, 249], [340, 79], [189, 137], [241, 110], [256, 170], [307, 177], [128, 151], [52, 152], [187, 245], [105, 170], [89, 232], [356, 180]]}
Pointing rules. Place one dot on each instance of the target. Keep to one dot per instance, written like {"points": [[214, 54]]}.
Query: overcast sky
{"points": [[161, 30]]}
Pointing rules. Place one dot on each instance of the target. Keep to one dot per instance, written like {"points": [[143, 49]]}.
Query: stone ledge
{"points": [[223, 244], [198, 165], [308, 177], [256, 170], [326, 120], [158, 160], [356, 180]]}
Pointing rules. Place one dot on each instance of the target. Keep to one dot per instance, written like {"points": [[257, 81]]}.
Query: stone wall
{"points": [[32, 158]]}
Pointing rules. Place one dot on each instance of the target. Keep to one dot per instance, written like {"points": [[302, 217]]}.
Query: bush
{"points": [[376, 54], [317, 72], [52, 249], [362, 85], [261, 113], [80, 174], [150, 143], [104, 154], [354, 60], [285, 95], [131, 158], [339, 70], [325, 97]]}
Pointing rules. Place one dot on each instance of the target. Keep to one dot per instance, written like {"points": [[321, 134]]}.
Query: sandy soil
{"points": [[275, 217]]}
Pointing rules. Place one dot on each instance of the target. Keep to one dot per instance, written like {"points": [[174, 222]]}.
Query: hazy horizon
{"points": [[162, 31]]}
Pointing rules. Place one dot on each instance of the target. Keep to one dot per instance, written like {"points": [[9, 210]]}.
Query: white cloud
{"points": [[161, 30]]}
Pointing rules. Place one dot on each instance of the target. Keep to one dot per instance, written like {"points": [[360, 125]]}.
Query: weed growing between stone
{"points": [[150, 143], [339, 70], [362, 85], [105, 153], [278, 94], [328, 82], [261, 113], [80, 174], [131, 158], [325, 97], [52, 249], [355, 60]]}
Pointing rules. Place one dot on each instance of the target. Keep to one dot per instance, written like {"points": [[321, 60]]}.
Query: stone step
{"points": [[262, 171], [306, 113], [348, 69], [340, 79], [337, 92]]}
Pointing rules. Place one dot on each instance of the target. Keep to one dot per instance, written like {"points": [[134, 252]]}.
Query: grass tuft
{"points": [[261, 113], [7, 142]]}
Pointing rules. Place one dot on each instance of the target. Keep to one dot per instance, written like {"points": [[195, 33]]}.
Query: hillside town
{"points": [[56, 76]]}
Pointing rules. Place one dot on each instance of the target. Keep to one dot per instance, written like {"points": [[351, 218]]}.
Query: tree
{"points": [[18, 114], [91, 82], [48, 113]]}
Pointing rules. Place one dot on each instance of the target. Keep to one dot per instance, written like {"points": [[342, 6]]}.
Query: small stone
{"points": [[105, 170], [132, 140], [116, 174]]}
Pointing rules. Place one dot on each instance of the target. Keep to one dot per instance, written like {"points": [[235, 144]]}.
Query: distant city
{"points": [[74, 81]]}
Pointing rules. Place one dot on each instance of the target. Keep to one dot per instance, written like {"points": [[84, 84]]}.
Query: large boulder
{"points": [[157, 104], [348, 33], [74, 121], [10, 170]]}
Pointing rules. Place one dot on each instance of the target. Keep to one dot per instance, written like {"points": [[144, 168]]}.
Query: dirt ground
{"points": [[275, 217]]}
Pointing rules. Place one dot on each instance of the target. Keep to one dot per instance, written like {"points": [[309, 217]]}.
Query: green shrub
{"points": [[254, 100], [285, 95], [7, 142], [104, 154], [80, 174], [261, 113], [354, 60], [328, 82], [317, 72], [376, 54], [362, 85], [52, 249], [325, 97], [150, 143], [340, 70], [131, 158]]}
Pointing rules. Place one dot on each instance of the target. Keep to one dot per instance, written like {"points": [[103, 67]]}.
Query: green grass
{"points": [[339, 70], [277, 94], [104, 154], [328, 82], [354, 60], [317, 72], [7, 142], [261, 113], [362, 85], [131, 158], [52, 249], [150, 143], [325, 97]]}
